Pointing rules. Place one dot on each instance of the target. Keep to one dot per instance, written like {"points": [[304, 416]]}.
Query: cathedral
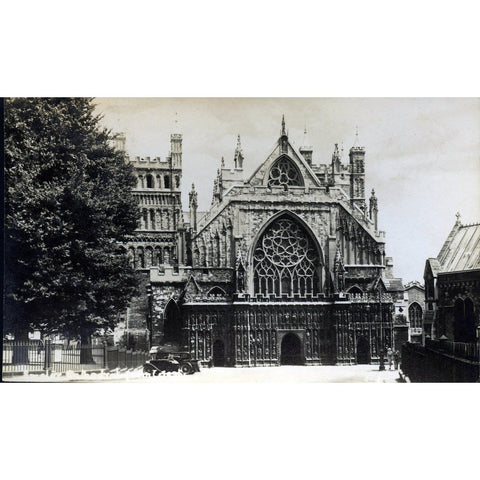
{"points": [[288, 266]]}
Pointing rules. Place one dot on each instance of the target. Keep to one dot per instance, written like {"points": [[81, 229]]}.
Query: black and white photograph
{"points": [[241, 240]]}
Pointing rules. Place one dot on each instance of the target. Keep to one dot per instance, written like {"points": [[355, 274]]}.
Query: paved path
{"points": [[284, 374]]}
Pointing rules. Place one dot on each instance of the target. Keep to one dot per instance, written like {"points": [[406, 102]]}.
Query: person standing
{"points": [[396, 359], [390, 358]]}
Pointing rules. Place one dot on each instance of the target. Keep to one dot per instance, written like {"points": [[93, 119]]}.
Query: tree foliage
{"points": [[69, 205]]}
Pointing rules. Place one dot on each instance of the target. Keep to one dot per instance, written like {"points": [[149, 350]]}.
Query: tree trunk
{"points": [[86, 356], [20, 348]]}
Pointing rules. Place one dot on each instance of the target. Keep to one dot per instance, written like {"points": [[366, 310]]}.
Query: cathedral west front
{"points": [[288, 267]]}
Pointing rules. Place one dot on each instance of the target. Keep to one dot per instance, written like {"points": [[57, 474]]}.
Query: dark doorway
{"points": [[291, 350], [464, 326], [172, 327], [363, 351], [218, 354]]}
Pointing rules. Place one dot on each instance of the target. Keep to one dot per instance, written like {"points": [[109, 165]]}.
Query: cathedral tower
{"points": [[357, 175]]}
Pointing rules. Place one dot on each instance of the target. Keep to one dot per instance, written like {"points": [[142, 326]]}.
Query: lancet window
{"points": [[286, 260]]}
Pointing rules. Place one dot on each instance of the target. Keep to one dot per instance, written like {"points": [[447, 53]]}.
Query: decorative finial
{"points": [[283, 126], [193, 186], [373, 192], [223, 162], [239, 146], [458, 222]]}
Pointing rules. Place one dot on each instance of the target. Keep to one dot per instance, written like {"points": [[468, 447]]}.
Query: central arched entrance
{"points": [[363, 351], [218, 354], [291, 350]]}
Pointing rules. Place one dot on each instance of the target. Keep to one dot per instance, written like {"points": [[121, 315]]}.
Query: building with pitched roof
{"points": [[452, 286]]}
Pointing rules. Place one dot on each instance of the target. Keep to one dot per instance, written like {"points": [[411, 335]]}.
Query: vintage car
{"points": [[169, 357]]}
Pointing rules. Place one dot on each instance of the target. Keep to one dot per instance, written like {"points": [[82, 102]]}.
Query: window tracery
{"points": [[284, 173], [286, 260]]}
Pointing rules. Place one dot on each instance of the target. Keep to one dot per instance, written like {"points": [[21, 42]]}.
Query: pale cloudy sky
{"points": [[422, 155]]}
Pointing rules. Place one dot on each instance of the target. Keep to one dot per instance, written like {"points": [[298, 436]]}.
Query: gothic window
{"points": [[152, 219], [217, 250], [166, 181], [140, 258], [148, 256], [415, 315], [284, 173], [131, 256], [158, 256], [216, 291], [149, 179], [355, 290], [286, 260]]}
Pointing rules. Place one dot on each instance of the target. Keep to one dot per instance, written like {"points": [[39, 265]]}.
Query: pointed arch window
{"points": [[415, 314], [284, 173], [286, 260]]}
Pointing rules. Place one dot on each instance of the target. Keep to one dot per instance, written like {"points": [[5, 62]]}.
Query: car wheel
{"points": [[186, 369]]}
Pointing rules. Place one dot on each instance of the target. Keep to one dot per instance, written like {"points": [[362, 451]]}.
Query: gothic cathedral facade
{"points": [[287, 267]]}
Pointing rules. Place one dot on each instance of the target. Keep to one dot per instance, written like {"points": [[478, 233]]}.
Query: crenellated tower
{"points": [[306, 149], [176, 150], [357, 175]]}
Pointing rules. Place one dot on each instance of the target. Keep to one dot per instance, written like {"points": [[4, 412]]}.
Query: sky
{"points": [[422, 154]]}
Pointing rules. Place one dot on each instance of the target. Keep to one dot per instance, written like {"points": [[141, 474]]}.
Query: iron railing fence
{"points": [[466, 351], [428, 364], [45, 357]]}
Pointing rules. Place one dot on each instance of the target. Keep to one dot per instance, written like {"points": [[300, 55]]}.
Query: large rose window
{"points": [[286, 260], [285, 172]]}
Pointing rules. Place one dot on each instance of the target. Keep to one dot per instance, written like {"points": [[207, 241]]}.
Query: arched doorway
{"points": [[363, 351], [291, 350], [172, 327], [218, 354]]}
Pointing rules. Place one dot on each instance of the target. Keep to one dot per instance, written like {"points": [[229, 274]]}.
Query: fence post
{"points": [[48, 359], [105, 360]]}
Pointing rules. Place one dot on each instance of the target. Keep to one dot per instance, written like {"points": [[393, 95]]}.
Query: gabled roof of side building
{"points": [[461, 250]]}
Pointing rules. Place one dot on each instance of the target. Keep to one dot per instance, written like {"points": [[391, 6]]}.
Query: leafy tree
{"points": [[69, 205]]}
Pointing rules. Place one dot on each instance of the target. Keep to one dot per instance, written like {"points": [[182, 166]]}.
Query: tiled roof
{"points": [[461, 250], [393, 284], [434, 265]]}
